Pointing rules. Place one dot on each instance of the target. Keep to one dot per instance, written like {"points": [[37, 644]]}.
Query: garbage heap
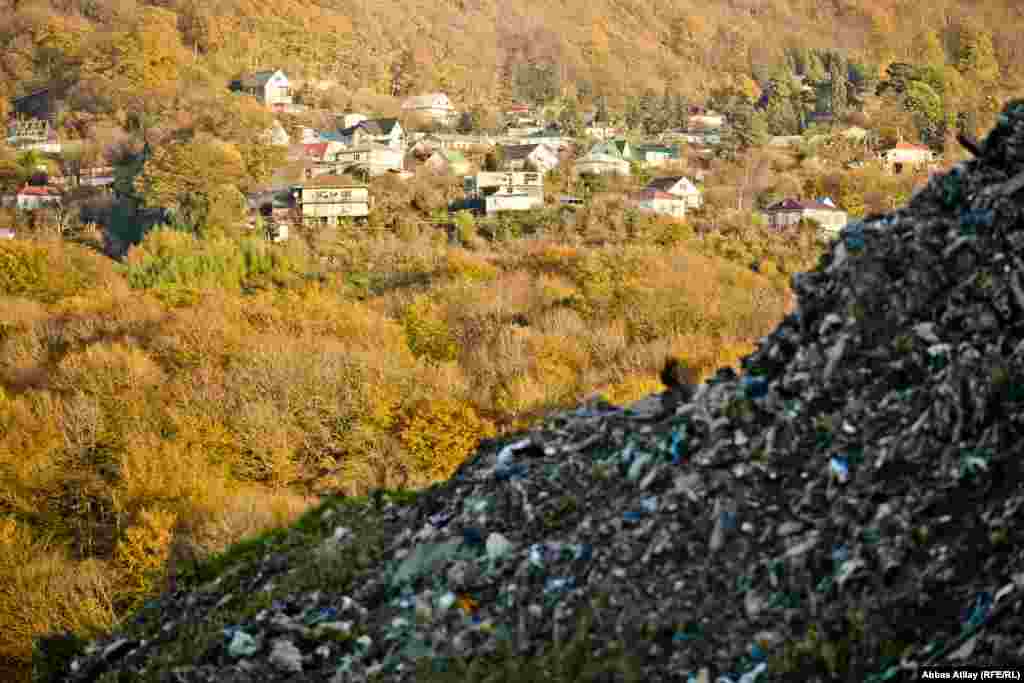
{"points": [[846, 509]]}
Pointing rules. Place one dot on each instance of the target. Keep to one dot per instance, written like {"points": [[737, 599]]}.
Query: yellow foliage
{"points": [[464, 265], [142, 552], [438, 435], [632, 388], [42, 591], [427, 333]]}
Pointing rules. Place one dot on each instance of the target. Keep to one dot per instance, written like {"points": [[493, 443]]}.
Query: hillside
{"points": [[152, 412], [847, 509], [114, 58]]}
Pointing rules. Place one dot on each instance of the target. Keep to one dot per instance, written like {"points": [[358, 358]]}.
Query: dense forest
{"points": [[167, 62]]}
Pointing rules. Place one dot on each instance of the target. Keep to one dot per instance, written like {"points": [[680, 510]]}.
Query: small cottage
{"points": [[271, 87], [37, 197], [370, 159], [598, 163], [680, 187], [822, 211], [659, 202], [536, 157], [387, 132], [435, 106], [906, 156]]}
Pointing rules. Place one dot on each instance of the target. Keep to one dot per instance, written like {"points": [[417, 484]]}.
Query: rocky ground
{"points": [[847, 509]]}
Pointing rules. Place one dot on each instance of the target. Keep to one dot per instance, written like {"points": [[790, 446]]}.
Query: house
{"points": [[600, 131], [600, 163], [616, 148], [370, 159], [535, 157], [792, 211], [329, 198], [7, 234], [906, 156], [448, 161], [509, 191], [435, 106], [785, 141], [657, 201], [37, 134], [680, 187], [272, 87], [551, 139], [656, 155], [349, 120], [386, 132], [41, 104], [278, 209], [316, 151], [37, 197], [96, 176], [445, 141], [522, 131], [276, 135], [706, 120]]}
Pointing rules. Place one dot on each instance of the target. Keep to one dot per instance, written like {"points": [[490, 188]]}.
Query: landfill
{"points": [[846, 508]]}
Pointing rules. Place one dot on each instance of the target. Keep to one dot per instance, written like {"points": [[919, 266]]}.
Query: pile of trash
{"points": [[847, 509]]}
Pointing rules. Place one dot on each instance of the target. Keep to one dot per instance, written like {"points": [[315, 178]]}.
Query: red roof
{"points": [[911, 147], [39, 191], [654, 194], [316, 150]]}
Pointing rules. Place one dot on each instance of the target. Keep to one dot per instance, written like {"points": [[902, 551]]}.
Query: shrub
{"points": [[465, 266], [49, 271], [143, 551], [439, 434], [427, 333]]}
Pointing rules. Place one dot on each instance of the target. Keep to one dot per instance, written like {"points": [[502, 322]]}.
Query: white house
{"points": [[540, 157], [506, 191], [824, 212], [351, 119], [679, 187], [707, 120], [371, 159], [272, 87], [387, 132], [435, 106], [599, 163], [326, 199], [659, 202], [906, 156]]}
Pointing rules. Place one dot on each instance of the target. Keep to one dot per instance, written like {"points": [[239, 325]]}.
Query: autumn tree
{"points": [[141, 64], [569, 119], [838, 85], [198, 181]]}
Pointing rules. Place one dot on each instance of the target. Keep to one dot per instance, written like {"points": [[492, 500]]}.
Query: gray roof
{"points": [[373, 126], [256, 79], [516, 152]]}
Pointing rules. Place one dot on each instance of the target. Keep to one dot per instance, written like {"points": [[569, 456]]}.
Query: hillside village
{"points": [[326, 173]]}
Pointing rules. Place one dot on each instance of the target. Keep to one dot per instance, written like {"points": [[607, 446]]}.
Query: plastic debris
{"points": [[242, 645]]}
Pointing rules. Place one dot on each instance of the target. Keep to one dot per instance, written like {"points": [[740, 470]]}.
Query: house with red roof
{"points": [[906, 156], [36, 197], [791, 211]]}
